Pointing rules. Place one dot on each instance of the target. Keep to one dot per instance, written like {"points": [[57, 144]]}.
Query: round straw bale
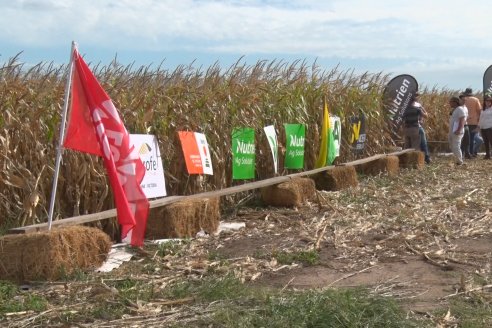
{"points": [[293, 193], [337, 178], [389, 164], [51, 255], [184, 218], [412, 160]]}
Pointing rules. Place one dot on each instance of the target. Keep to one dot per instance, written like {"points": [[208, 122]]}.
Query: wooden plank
{"points": [[173, 199], [67, 222], [365, 160]]}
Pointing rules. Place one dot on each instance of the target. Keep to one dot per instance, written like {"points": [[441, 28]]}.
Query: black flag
{"points": [[487, 81], [397, 95]]}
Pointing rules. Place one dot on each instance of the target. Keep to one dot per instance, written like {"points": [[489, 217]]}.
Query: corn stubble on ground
{"points": [[422, 237]]}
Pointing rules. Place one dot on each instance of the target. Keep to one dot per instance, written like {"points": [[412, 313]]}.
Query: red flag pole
{"points": [[59, 150]]}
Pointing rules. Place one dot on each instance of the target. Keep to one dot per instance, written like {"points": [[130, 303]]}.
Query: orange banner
{"points": [[191, 152]]}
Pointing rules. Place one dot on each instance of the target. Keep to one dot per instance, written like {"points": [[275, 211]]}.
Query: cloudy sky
{"points": [[442, 43]]}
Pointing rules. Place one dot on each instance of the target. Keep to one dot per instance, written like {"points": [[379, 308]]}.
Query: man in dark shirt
{"points": [[411, 118]]}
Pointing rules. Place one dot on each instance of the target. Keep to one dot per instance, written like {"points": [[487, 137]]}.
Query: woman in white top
{"points": [[485, 124], [456, 128]]}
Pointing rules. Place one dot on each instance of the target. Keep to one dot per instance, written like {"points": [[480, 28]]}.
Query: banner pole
{"points": [[59, 150]]}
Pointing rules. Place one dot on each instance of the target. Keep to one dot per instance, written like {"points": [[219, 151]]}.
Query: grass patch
{"points": [[13, 300], [261, 254], [307, 258], [224, 288], [242, 305], [76, 275], [7, 290], [331, 308], [210, 289], [172, 247], [108, 311], [133, 290], [472, 312], [227, 302], [216, 256], [130, 291], [383, 181]]}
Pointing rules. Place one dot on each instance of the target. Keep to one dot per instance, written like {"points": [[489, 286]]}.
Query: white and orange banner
{"points": [[196, 152]]}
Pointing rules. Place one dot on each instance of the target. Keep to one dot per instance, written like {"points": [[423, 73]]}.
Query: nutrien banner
{"points": [[396, 97], [243, 153], [487, 81], [294, 154]]}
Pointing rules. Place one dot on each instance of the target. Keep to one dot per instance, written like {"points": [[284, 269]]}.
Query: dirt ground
{"points": [[426, 285], [423, 237]]}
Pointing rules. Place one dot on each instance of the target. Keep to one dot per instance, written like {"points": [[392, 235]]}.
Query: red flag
{"points": [[95, 127]]}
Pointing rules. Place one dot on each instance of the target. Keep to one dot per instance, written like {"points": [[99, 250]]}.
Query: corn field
{"points": [[161, 102]]}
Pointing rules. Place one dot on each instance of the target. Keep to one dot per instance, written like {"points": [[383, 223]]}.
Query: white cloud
{"points": [[387, 28], [431, 33]]}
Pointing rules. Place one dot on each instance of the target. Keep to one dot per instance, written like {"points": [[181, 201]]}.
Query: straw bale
{"points": [[412, 160], [293, 193], [184, 218], [389, 164], [51, 255], [340, 177]]}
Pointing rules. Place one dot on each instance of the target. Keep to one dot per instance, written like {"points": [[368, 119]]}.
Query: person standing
{"points": [[465, 141], [411, 119], [474, 109], [456, 128], [485, 124], [478, 142], [423, 138]]}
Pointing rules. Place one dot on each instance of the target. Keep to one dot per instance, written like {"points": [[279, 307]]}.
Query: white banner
{"points": [[202, 143], [153, 183], [272, 141]]}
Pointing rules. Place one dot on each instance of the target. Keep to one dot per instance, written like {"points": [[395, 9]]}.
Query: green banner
{"points": [[243, 153], [337, 136], [294, 155]]}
